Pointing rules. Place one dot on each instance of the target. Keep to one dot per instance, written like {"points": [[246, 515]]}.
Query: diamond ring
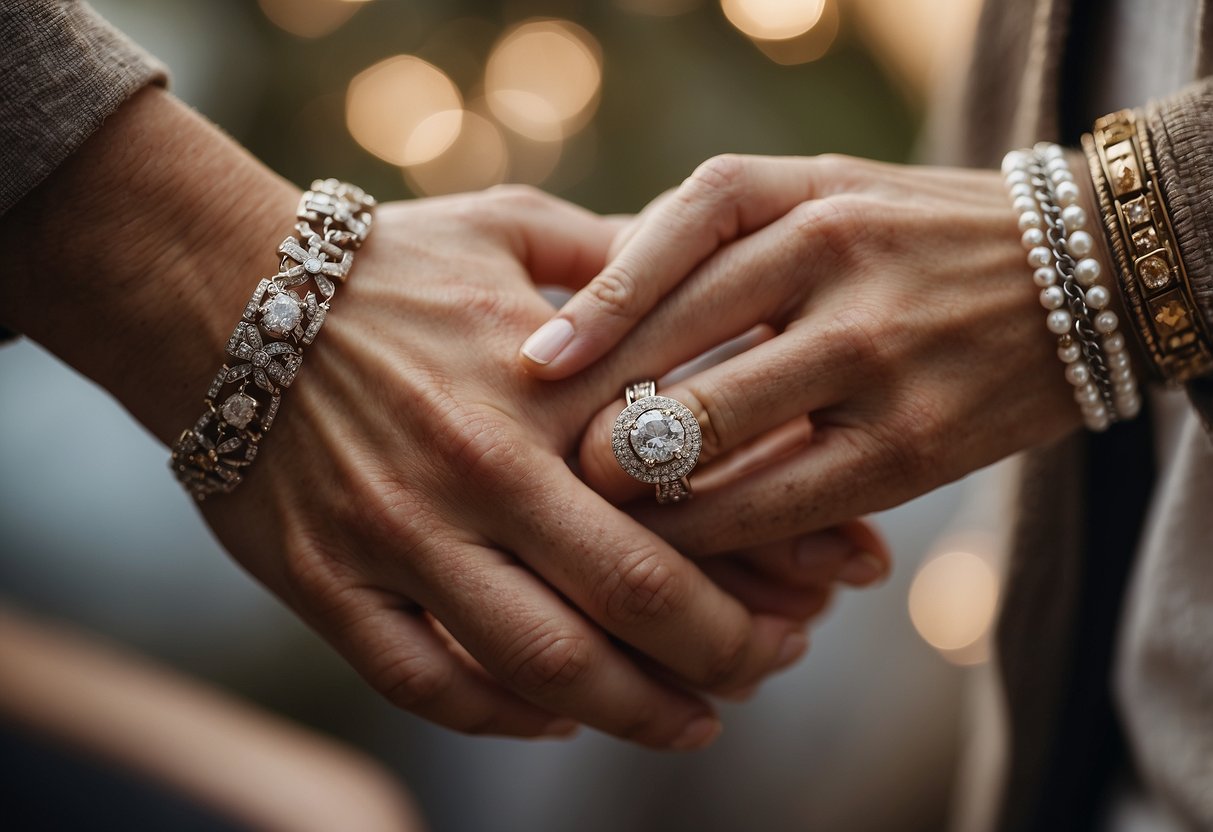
{"points": [[657, 440]]}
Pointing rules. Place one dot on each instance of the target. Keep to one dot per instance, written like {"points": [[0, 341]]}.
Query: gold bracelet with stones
{"points": [[1153, 279], [280, 319]]}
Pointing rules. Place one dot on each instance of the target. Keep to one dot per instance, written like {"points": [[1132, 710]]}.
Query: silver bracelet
{"points": [[280, 319], [1053, 224]]}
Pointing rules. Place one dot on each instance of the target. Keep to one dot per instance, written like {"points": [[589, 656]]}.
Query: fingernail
{"points": [[793, 647], [562, 727], [700, 733], [547, 341], [861, 570]]}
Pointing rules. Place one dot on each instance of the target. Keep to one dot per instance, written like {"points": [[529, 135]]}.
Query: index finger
{"points": [[725, 198]]}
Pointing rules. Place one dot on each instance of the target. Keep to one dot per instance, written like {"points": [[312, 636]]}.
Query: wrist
{"points": [[137, 255]]}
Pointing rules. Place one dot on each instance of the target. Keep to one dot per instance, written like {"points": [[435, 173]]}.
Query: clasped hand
{"points": [[422, 511]]}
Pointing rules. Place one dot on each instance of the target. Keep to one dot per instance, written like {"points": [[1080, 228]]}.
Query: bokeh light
{"points": [[543, 78], [478, 158], [404, 110], [773, 19], [806, 47], [309, 18], [952, 603]]}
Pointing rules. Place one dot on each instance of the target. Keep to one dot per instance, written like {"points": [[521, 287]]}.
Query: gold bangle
{"points": [[1152, 276]]}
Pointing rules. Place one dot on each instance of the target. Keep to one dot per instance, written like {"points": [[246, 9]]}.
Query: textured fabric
{"points": [[1163, 690], [63, 71]]}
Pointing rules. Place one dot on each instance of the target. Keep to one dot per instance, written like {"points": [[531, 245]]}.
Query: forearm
{"points": [[133, 260]]}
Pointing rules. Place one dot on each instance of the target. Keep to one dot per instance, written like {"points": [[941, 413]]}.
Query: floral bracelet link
{"points": [[1044, 194], [280, 319]]}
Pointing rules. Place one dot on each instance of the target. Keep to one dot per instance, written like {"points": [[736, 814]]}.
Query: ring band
{"points": [[657, 440]]}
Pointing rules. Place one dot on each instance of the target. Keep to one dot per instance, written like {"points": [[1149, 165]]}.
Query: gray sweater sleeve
{"points": [[1181, 130], [63, 71]]}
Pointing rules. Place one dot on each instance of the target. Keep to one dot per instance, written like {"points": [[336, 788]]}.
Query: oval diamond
{"points": [[657, 437]]}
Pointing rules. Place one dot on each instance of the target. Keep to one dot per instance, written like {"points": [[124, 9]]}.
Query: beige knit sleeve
{"points": [[1181, 131], [63, 71]]}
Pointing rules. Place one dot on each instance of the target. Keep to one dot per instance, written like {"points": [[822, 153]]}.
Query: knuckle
{"points": [[480, 448], [642, 586], [413, 681], [720, 176], [839, 223], [546, 659], [617, 291]]}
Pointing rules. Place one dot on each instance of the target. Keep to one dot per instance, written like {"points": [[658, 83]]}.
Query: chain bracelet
{"points": [[284, 315], [1064, 264]]}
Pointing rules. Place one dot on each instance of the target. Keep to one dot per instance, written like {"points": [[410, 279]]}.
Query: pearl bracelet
{"points": [[1054, 228], [333, 221]]}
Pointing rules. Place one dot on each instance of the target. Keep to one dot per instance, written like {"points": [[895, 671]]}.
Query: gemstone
{"points": [[1145, 240], [281, 313], [312, 265], [657, 436], [1154, 271], [1125, 176], [1137, 210], [1172, 317], [238, 410]]}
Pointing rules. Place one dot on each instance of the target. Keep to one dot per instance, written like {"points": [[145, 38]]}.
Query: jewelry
{"points": [[1053, 226], [657, 440], [1152, 276], [334, 219]]}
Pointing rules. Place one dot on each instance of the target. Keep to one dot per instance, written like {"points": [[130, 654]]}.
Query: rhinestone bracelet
{"points": [[1044, 194], [281, 318], [1151, 270]]}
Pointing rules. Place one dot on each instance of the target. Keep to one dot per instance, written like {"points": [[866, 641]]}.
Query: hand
{"points": [[905, 325], [413, 503]]}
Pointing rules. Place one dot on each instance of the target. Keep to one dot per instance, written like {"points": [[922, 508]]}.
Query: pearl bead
{"points": [[1086, 271], [1032, 237], [1121, 375], [1021, 190], [1073, 217], [1016, 177], [1087, 394], [1052, 297], [1044, 276], [1129, 407], [1078, 373], [1067, 194], [1114, 343], [1099, 424], [1029, 219], [1118, 360], [1124, 388], [1024, 203], [1106, 321], [1098, 297], [1069, 353], [1049, 150], [1059, 322], [1014, 159], [1059, 176], [1098, 412], [1040, 256], [1080, 243]]}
